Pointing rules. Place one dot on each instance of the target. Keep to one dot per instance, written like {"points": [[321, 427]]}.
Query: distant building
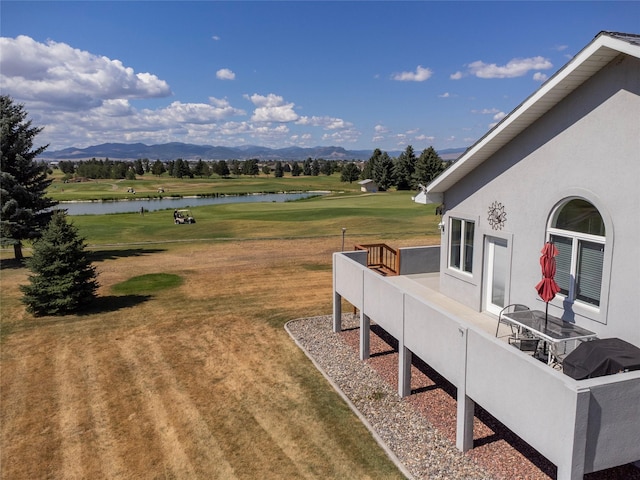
{"points": [[368, 185]]}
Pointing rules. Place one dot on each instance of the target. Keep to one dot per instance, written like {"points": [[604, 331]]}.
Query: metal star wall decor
{"points": [[497, 216]]}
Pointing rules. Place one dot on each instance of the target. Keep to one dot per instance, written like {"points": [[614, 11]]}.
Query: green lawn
{"points": [[384, 215]]}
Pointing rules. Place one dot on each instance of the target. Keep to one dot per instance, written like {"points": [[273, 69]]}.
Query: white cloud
{"points": [[499, 116], [272, 108], [456, 76], [420, 75], [215, 37], [486, 111], [328, 123], [225, 74], [540, 77], [82, 99], [341, 137], [57, 74], [514, 68], [425, 138]]}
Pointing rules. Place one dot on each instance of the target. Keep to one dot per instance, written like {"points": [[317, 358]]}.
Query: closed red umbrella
{"points": [[547, 287]]}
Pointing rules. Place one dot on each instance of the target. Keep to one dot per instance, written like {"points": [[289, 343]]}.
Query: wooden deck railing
{"points": [[382, 257]]}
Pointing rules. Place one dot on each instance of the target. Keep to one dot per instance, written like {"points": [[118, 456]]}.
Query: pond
{"points": [[149, 204]]}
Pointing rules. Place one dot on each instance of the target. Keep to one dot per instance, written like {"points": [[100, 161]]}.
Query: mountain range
{"points": [[187, 151]]}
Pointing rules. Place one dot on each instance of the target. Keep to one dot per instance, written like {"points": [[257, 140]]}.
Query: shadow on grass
{"points": [[113, 303], [11, 264], [102, 255]]}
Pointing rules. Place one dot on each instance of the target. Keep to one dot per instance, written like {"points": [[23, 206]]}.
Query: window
{"points": [[461, 242], [578, 232]]}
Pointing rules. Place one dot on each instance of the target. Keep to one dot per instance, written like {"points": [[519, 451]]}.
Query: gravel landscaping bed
{"points": [[418, 432]]}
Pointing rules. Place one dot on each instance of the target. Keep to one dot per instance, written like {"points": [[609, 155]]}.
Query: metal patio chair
{"points": [[514, 307], [520, 338]]}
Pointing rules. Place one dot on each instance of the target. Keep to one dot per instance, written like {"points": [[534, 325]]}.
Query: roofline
{"points": [[603, 48]]}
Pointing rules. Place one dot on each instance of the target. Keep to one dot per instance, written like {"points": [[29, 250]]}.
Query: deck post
{"points": [[365, 335], [404, 370], [337, 311], [465, 405]]}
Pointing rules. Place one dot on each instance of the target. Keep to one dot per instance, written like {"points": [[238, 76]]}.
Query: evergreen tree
{"points": [[306, 167], [383, 172], [23, 181], [138, 167], [235, 167], [279, 171], [295, 170], [369, 167], [428, 166], [327, 167], [181, 169], [63, 279], [315, 167], [222, 169], [350, 172], [404, 168], [250, 167], [158, 168]]}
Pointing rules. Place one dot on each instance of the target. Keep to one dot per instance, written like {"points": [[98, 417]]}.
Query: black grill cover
{"points": [[599, 357]]}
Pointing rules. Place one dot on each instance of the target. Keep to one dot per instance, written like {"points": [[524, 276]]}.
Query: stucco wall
{"points": [[587, 146], [419, 259]]}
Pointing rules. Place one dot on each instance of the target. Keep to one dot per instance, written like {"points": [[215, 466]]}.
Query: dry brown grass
{"points": [[200, 381]]}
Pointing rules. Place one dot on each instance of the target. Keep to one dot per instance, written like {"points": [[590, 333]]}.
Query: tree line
{"points": [[180, 168], [406, 172]]}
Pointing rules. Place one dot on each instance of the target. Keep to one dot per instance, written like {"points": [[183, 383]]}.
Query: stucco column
{"points": [[465, 405], [404, 370], [365, 335], [337, 312], [573, 467]]}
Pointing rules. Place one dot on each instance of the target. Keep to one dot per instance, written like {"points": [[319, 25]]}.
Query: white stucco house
{"points": [[564, 166]]}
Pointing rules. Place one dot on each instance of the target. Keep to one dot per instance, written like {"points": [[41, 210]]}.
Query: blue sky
{"points": [[360, 75]]}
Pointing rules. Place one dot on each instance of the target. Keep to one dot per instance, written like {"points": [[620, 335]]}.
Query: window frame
{"points": [[578, 238], [463, 244]]}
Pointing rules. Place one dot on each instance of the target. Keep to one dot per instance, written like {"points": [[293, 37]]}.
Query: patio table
{"points": [[552, 330]]}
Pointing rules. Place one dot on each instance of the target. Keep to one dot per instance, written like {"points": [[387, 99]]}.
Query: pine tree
{"points": [[279, 171], [23, 181], [404, 168], [63, 279], [383, 172], [369, 167], [428, 166], [350, 172], [306, 167]]}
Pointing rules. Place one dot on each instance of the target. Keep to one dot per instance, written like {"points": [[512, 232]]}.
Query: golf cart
{"points": [[183, 216]]}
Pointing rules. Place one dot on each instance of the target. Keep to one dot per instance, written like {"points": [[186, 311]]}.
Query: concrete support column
{"points": [[337, 312], [573, 467], [464, 430], [404, 370], [365, 335], [465, 405]]}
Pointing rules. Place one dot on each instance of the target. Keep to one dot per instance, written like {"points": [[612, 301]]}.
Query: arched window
{"points": [[578, 231]]}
